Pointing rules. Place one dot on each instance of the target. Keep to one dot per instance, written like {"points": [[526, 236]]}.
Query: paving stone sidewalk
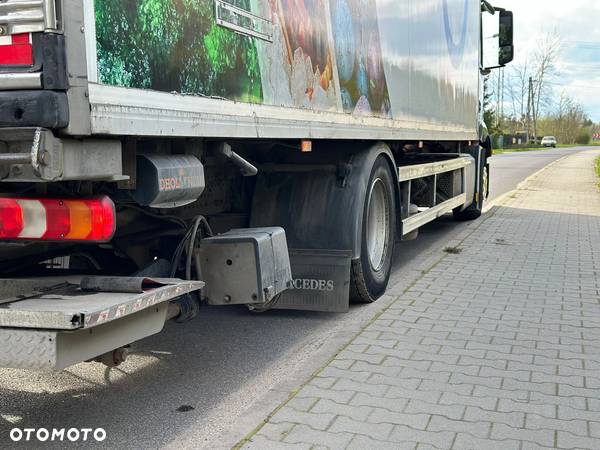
{"points": [[497, 347]]}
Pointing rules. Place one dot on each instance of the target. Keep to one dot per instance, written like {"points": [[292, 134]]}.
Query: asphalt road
{"points": [[188, 385], [510, 168]]}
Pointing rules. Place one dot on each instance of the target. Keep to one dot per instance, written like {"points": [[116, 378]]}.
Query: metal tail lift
{"points": [[50, 324]]}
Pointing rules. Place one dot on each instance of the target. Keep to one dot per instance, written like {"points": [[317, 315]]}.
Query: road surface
{"points": [[509, 168], [187, 386]]}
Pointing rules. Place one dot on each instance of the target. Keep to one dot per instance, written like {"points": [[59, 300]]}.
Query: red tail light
{"points": [[11, 218], [57, 220], [16, 50]]}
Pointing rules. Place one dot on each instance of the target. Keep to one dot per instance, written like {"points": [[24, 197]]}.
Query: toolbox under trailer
{"points": [[156, 156]]}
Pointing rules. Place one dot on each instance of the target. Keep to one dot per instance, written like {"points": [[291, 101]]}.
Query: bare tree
{"points": [[524, 95], [545, 57], [563, 108], [568, 120], [517, 90]]}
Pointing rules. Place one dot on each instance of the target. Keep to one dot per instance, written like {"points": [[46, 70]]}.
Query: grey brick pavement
{"points": [[494, 348]]}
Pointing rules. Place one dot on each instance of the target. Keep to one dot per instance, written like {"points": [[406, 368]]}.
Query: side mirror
{"points": [[506, 38], [506, 55], [497, 40]]}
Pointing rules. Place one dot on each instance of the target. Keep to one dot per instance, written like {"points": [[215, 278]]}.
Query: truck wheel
{"points": [[371, 272], [474, 211]]}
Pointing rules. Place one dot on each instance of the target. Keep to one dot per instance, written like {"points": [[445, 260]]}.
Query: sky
{"points": [[578, 25]]}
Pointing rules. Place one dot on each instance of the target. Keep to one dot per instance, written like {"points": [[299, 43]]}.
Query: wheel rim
{"points": [[378, 220]]}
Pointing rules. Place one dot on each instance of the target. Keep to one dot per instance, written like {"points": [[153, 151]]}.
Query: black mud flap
{"points": [[321, 281]]}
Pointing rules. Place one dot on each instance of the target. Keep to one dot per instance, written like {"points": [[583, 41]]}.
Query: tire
{"points": [[475, 211], [371, 272]]}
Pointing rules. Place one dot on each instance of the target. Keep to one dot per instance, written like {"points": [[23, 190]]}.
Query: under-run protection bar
{"points": [[407, 174]]}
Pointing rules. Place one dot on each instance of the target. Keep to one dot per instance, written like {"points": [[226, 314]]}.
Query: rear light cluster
{"points": [[16, 50], [57, 220]]}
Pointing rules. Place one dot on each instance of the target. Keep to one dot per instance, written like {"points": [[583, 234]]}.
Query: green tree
{"points": [[175, 45]]}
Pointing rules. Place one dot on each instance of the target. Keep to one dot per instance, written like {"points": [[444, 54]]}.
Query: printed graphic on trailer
{"points": [[364, 57], [177, 46], [359, 58], [297, 67]]}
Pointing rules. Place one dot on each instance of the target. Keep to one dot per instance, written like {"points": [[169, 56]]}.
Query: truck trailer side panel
{"points": [[320, 69]]}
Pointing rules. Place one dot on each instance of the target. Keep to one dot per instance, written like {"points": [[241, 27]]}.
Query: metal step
{"points": [[418, 220], [51, 324], [92, 301]]}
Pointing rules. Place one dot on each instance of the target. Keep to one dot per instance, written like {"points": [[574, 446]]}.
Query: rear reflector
{"points": [[11, 218], [16, 50], [57, 220]]}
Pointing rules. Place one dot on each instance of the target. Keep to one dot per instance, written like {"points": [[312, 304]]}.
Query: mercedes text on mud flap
{"points": [[268, 154]]}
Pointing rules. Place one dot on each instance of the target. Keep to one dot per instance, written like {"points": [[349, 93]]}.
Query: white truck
{"points": [[156, 155]]}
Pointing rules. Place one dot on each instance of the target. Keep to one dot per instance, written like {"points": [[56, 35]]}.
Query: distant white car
{"points": [[549, 141]]}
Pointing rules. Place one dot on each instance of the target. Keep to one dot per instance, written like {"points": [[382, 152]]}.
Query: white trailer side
{"points": [[426, 61]]}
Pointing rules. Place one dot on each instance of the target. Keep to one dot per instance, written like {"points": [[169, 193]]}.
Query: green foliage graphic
{"points": [[175, 46]]}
